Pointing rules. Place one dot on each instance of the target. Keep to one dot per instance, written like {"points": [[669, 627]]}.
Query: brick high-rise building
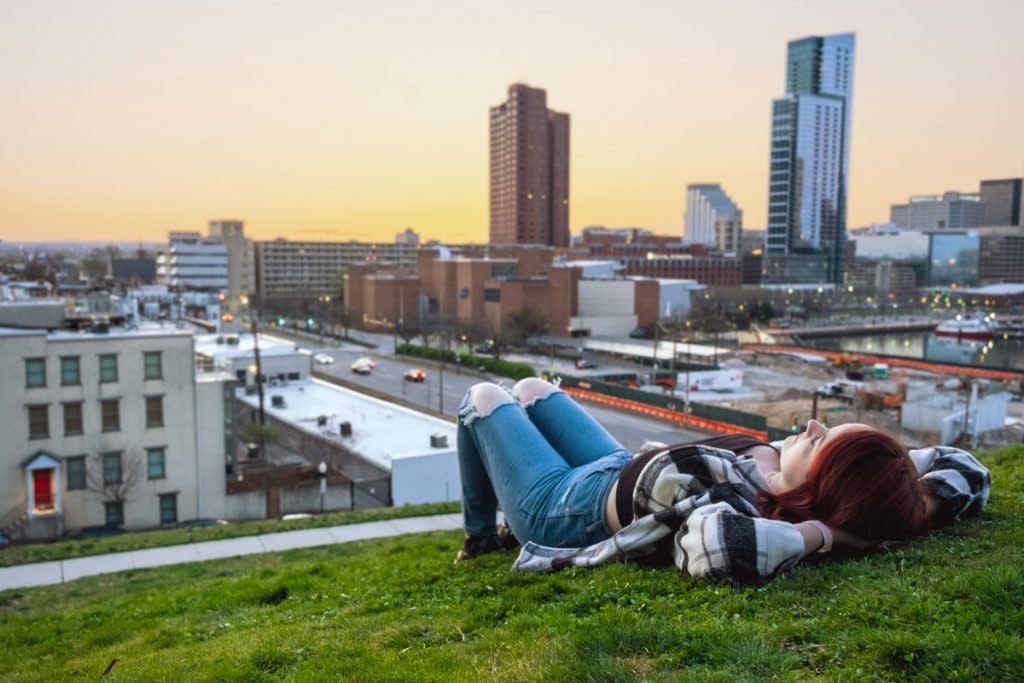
{"points": [[529, 170]]}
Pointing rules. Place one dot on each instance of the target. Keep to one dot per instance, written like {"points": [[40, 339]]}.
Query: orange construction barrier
{"points": [[663, 413]]}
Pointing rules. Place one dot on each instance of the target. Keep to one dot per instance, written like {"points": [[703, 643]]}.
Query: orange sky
{"points": [[346, 120]]}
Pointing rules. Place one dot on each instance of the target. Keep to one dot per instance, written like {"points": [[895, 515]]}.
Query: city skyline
{"points": [[335, 123]]}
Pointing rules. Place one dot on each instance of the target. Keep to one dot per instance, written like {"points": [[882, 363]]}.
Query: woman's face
{"points": [[798, 452]]}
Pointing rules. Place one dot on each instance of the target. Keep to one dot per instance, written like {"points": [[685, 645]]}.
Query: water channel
{"points": [[1003, 354]]}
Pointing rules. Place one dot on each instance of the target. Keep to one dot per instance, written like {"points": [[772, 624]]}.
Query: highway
{"points": [[443, 392]]}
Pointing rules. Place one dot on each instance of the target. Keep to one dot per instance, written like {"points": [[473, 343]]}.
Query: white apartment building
{"points": [[939, 212], [193, 262], [712, 218], [109, 428]]}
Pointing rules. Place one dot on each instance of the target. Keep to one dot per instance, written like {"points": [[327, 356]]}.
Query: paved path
{"points": [[60, 571]]}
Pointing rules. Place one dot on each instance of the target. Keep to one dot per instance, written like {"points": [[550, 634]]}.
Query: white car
{"points": [[363, 366], [323, 359]]}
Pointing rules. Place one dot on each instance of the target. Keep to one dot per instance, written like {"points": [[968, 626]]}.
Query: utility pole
{"points": [[686, 401], [440, 383], [675, 338], [654, 359], [259, 369]]}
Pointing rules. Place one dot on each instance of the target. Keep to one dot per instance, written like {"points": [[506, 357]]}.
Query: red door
{"points": [[42, 489]]}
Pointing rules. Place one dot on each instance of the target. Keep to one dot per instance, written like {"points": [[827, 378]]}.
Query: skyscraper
{"points": [[1002, 201], [712, 218], [810, 155], [529, 170]]}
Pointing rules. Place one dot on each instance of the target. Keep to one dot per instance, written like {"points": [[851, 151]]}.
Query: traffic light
{"points": [[280, 322], [309, 322]]}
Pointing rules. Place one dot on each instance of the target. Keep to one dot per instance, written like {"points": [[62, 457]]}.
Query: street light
{"points": [[322, 473]]}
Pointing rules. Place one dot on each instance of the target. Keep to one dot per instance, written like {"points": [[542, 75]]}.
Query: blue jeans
{"points": [[549, 464]]}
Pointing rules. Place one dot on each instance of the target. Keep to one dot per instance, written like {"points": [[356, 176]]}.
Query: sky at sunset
{"points": [[353, 120]]}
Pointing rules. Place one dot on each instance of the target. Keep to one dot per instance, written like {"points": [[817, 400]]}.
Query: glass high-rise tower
{"points": [[810, 156]]}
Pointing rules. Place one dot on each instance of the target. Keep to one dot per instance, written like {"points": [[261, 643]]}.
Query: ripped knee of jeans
{"points": [[485, 397], [529, 390]]}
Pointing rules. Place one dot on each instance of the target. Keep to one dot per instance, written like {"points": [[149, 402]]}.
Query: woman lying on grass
{"points": [[727, 507]]}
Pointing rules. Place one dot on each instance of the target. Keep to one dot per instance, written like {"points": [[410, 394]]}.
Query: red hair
{"points": [[862, 481]]}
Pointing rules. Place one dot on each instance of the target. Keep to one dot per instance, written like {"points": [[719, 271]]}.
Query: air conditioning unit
{"points": [[345, 428], [321, 420], [438, 440], [252, 390], [277, 401]]}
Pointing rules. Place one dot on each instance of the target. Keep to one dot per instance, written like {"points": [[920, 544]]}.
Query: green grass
{"points": [[63, 550], [943, 608]]}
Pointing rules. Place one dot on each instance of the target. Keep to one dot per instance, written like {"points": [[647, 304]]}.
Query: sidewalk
{"points": [[61, 571]]}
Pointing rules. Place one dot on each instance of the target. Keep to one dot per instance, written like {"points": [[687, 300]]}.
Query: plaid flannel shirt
{"points": [[704, 500]]}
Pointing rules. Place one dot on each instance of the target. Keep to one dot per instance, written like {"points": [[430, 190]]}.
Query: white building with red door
{"points": [[108, 427]]}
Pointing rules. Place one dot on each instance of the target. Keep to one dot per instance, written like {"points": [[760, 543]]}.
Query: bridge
{"points": [[859, 327]]}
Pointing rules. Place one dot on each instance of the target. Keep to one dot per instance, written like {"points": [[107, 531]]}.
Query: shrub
{"points": [[510, 369]]}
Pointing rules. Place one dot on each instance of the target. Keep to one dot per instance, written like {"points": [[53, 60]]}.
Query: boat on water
{"points": [[969, 328]]}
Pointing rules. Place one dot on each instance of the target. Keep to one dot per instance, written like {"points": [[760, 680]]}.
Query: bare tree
{"points": [[519, 325], [114, 486]]}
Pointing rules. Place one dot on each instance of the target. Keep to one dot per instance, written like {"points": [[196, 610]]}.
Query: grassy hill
{"points": [[944, 608]]}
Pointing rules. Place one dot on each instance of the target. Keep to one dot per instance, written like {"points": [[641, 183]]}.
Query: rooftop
{"points": [[381, 431], [145, 329], [207, 345]]}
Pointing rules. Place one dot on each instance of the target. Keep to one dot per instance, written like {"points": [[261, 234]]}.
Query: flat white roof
{"points": [[381, 431], [644, 348], [207, 345], [116, 332]]}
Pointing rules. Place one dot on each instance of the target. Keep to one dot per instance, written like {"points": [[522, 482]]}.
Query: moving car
{"points": [[363, 366], [415, 375], [323, 359], [584, 364]]}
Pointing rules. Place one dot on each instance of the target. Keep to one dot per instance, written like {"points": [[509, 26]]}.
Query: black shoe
{"points": [[478, 545], [506, 538]]}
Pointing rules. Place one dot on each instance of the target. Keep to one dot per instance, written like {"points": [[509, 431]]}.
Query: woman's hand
{"points": [[814, 540]]}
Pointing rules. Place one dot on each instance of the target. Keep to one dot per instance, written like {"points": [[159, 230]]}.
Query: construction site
{"points": [[909, 402]]}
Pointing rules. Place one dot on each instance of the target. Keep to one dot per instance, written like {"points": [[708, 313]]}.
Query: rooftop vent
{"points": [[438, 440]]}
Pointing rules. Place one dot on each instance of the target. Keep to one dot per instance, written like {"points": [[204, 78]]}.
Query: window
{"points": [[115, 513], [35, 372], [70, 372], [110, 410], [154, 411], [168, 508], [111, 468], [75, 467], [492, 294], [39, 422], [108, 367], [73, 418], [155, 468], [154, 366]]}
